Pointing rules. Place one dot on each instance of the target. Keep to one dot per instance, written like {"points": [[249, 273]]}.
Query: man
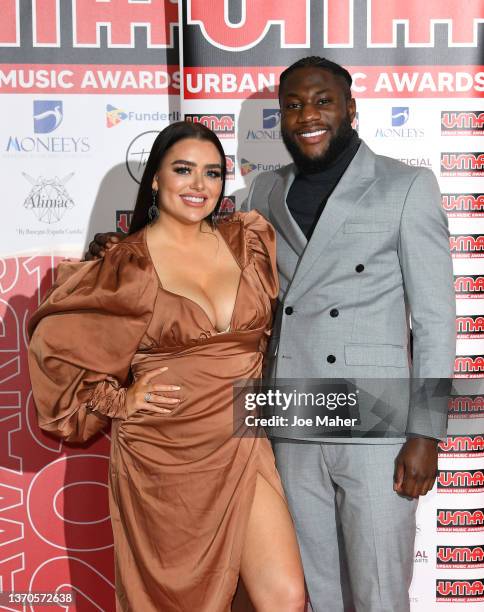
{"points": [[362, 242]]}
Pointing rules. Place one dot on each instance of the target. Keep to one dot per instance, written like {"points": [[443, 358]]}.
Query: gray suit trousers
{"points": [[355, 534]]}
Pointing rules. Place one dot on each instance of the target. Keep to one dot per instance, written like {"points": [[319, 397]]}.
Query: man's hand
{"points": [[101, 243], [416, 467]]}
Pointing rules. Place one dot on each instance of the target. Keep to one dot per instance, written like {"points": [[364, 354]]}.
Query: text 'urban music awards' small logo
{"points": [[271, 118], [114, 115], [48, 199], [48, 115], [123, 220], [400, 115]]}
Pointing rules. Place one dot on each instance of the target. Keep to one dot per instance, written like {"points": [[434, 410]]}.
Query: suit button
{"points": [[330, 358], [334, 312], [360, 268], [289, 310]]}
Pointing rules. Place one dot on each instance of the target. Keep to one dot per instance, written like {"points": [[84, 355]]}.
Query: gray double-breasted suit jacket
{"points": [[378, 255]]}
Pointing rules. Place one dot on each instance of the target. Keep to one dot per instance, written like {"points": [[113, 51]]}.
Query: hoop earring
{"points": [[153, 210]]}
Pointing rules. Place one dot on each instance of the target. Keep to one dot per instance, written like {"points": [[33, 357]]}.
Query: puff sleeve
{"points": [[261, 248], [83, 339]]}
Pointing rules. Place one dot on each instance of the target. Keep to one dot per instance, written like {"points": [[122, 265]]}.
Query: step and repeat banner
{"points": [[85, 87]]}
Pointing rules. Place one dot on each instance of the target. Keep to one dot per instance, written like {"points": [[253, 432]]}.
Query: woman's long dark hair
{"points": [[164, 141]]}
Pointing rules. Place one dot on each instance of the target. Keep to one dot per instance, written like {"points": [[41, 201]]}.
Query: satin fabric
{"points": [[181, 485]]}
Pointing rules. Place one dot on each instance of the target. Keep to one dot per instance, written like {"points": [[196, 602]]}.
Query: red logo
{"points": [[157, 17], [227, 207], [460, 481], [466, 407], [419, 24], [470, 245], [462, 123], [123, 220], [463, 557], [463, 205], [470, 326], [462, 446], [469, 365], [459, 590], [460, 520], [291, 16], [461, 164], [230, 167], [469, 286], [293, 19], [222, 125]]}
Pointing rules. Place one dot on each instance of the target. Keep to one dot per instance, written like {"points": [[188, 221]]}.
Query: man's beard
{"points": [[311, 165]]}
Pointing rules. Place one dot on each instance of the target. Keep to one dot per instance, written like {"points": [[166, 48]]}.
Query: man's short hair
{"points": [[314, 61]]}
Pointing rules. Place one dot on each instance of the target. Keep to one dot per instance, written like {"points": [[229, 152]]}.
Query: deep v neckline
{"points": [[193, 302]]}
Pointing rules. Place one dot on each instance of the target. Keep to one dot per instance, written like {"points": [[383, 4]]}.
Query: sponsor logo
{"points": [[466, 407], [48, 199], [462, 446], [417, 162], [222, 124], [138, 152], [269, 129], [459, 590], [460, 481], [246, 166], [470, 326], [123, 220], [51, 144], [460, 557], [227, 206], [463, 205], [271, 118], [48, 115], [462, 123], [467, 245], [421, 556], [230, 167], [114, 116], [471, 519], [399, 117], [469, 366], [469, 286], [462, 164]]}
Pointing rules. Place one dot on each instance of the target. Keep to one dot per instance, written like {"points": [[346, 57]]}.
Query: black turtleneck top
{"points": [[309, 193]]}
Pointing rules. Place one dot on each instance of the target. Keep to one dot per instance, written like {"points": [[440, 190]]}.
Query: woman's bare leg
{"points": [[271, 565]]}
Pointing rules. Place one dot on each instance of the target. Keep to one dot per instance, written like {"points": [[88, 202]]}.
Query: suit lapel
{"points": [[279, 212], [343, 202]]}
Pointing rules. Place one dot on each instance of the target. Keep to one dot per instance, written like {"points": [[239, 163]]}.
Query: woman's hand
{"points": [[143, 389]]}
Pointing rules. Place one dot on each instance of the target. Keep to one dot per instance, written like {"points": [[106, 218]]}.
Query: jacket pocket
{"points": [[376, 355], [357, 228]]}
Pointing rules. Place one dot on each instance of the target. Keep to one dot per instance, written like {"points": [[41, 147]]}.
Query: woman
{"points": [[186, 301]]}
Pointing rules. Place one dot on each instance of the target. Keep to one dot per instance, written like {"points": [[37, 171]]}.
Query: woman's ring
{"points": [[148, 397]]}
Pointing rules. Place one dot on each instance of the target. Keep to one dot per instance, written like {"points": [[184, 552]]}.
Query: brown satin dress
{"points": [[181, 485]]}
